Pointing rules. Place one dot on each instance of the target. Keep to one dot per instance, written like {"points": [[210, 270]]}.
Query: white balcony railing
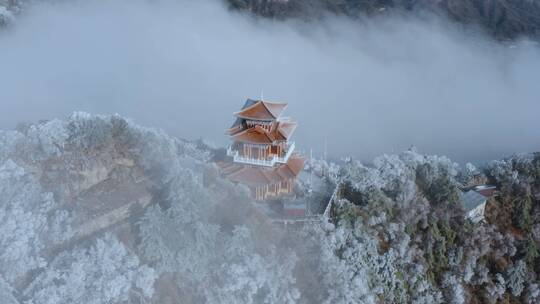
{"points": [[290, 150], [237, 158]]}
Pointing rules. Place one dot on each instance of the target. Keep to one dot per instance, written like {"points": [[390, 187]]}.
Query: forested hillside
{"points": [[96, 209], [504, 19], [401, 234]]}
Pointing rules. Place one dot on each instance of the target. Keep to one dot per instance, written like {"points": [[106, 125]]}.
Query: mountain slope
{"points": [[503, 19], [96, 209], [400, 232]]}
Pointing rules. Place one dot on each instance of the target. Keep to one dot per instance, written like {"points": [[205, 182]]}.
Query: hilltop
{"points": [[97, 209]]}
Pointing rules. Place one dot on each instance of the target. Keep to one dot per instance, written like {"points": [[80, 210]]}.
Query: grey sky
{"points": [[185, 66]]}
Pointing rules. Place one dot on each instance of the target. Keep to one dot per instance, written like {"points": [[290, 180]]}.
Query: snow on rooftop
{"points": [[472, 199]]}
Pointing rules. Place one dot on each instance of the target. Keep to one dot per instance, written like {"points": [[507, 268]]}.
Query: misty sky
{"points": [[185, 66]]}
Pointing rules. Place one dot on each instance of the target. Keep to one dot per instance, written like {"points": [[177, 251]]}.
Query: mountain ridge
{"points": [[174, 233], [502, 19]]}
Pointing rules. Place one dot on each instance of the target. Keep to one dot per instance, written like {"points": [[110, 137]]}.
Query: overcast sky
{"points": [[185, 66]]}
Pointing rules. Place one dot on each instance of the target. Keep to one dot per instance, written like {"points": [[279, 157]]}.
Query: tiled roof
{"points": [[281, 130], [286, 128], [257, 176], [255, 135], [238, 121], [296, 164], [472, 199], [261, 110], [234, 130], [250, 176], [275, 108]]}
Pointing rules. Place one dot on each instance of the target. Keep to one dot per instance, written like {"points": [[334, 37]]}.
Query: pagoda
{"points": [[262, 154]]}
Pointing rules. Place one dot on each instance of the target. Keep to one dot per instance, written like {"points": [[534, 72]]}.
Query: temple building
{"points": [[262, 154]]}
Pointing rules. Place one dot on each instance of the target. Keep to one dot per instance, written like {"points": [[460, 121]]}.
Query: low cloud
{"points": [[184, 66]]}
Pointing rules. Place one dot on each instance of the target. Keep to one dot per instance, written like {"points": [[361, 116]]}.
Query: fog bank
{"points": [[368, 88]]}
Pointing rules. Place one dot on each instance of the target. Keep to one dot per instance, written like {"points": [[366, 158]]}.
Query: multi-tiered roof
{"points": [[266, 114], [280, 131], [262, 152]]}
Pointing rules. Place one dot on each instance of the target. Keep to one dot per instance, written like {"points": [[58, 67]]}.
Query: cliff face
{"points": [[503, 19], [91, 165], [64, 181]]}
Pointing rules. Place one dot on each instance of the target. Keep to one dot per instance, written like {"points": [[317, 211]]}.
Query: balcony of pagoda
{"points": [[267, 125], [261, 155]]}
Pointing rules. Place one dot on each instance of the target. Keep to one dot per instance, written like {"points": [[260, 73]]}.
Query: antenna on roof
{"points": [[311, 169], [262, 94], [325, 147]]}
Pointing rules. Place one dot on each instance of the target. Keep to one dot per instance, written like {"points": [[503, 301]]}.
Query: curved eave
{"points": [[234, 130], [286, 129], [262, 111], [275, 108], [253, 137]]}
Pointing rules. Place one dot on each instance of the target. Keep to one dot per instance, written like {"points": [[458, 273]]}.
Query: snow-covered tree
{"points": [[398, 233], [23, 218], [246, 276], [178, 236], [106, 272], [516, 277], [7, 293], [6, 16], [533, 293]]}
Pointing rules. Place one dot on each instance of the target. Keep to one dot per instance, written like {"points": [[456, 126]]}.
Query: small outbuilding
{"points": [[474, 204], [475, 200]]}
